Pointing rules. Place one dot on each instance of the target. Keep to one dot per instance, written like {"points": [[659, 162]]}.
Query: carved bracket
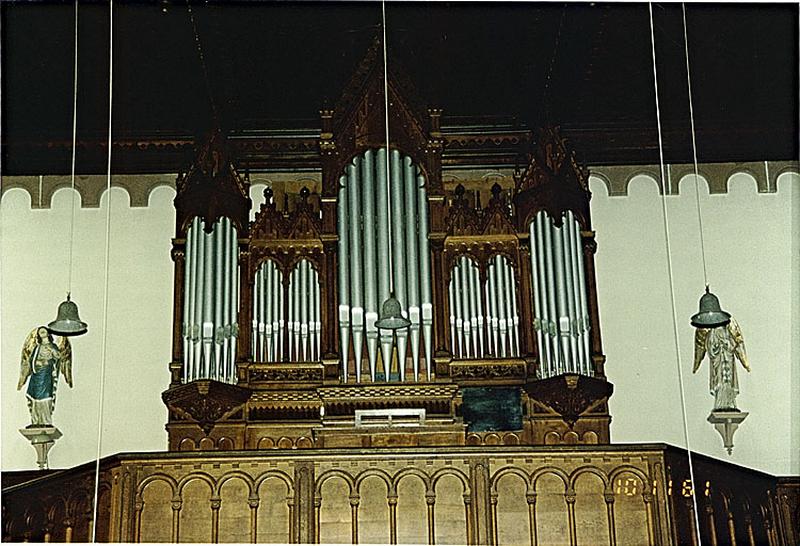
{"points": [[205, 401], [570, 395]]}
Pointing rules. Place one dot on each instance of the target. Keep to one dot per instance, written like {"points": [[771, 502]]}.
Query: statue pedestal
{"points": [[726, 422], [42, 439]]}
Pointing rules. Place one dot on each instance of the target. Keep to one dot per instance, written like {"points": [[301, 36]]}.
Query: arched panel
{"points": [[234, 511], [560, 300], [211, 302], [273, 512], [195, 515], [630, 513], [412, 511], [513, 520], [57, 516], [591, 515], [335, 520], [156, 516], [552, 521], [103, 514], [382, 221], [373, 511], [450, 512]]}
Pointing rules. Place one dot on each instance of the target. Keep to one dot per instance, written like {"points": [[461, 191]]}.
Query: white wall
{"points": [[752, 245], [34, 250]]}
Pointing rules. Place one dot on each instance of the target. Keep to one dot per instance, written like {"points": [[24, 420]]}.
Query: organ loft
{"points": [[294, 417]]}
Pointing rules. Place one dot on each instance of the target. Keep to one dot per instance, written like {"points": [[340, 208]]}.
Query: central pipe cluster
{"points": [[365, 279]]}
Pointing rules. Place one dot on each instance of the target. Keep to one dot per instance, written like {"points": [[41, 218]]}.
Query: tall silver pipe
{"points": [[487, 297], [266, 298], [370, 271], [411, 233], [500, 295], [584, 305], [398, 243], [282, 349], [426, 298], [456, 276], [494, 322], [226, 294], [343, 256], [199, 291], [208, 290], [466, 305], [569, 285], [277, 313], [473, 306], [188, 315], [558, 356], [304, 308], [356, 278], [382, 214], [478, 295], [218, 297], [544, 356], [546, 321], [575, 306], [295, 284], [234, 307]]}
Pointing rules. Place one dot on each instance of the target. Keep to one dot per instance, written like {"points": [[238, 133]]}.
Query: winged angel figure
{"points": [[723, 345], [41, 362]]}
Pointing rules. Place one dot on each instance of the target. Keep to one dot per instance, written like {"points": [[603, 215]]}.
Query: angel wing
{"points": [[738, 343], [700, 336], [25, 361], [65, 348]]}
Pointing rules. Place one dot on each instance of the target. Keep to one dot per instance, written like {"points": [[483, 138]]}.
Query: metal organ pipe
{"points": [[398, 250], [386, 340], [342, 223], [209, 305], [370, 272], [410, 194], [425, 274]]}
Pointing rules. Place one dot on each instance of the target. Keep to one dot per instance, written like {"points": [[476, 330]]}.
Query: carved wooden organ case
{"points": [[275, 343]]}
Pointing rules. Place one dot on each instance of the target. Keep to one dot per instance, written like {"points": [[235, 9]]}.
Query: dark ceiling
{"points": [[586, 67]]}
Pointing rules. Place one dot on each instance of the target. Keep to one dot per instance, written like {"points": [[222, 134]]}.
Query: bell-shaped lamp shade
{"points": [[391, 317], [710, 314], [67, 323]]}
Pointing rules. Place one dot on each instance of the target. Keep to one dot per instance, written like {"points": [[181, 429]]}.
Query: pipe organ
{"points": [[484, 317], [383, 246], [276, 341], [211, 302], [558, 282]]}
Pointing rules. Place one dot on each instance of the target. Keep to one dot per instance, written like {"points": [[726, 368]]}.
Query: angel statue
{"points": [[723, 344], [42, 360]]}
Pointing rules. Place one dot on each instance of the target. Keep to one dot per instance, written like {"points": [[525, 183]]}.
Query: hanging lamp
{"points": [[67, 322], [391, 316]]}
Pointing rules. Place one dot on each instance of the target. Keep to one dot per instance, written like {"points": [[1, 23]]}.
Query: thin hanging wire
{"points": [[671, 277], [104, 341], [386, 126], [546, 97], [694, 148], [74, 145], [202, 62]]}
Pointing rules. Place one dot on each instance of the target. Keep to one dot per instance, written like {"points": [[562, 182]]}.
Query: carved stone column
{"points": [[253, 502], [176, 518], [392, 500], [531, 500], [608, 496], [354, 500], [569, 498], [304, 516], [479, 481]]}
